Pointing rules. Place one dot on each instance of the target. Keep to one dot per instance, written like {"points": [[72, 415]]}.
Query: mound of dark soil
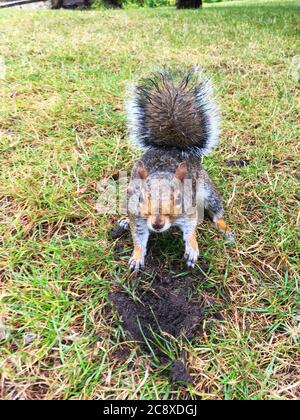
{"points": [[166, 306], [166, 303]]}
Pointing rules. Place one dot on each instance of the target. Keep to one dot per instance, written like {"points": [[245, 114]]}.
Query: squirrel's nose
{"points": [[158, 224]]}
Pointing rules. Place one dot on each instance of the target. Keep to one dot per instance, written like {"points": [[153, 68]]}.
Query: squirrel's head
{"points": [[160, 200]]}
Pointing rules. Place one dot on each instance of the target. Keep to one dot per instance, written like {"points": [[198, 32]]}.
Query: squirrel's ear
{"points": [[142, 171], [181, 171]]}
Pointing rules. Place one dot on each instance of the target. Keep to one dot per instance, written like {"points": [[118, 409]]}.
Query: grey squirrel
{"points": [[173, 118]]}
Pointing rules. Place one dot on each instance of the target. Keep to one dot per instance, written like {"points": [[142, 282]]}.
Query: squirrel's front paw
{"points": [[136, 264], [137, 260], [191, 255]]}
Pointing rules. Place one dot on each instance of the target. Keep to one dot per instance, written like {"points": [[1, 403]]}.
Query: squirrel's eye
{"points": [[141, 199]]}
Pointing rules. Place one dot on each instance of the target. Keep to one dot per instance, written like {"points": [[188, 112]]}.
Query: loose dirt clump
{"points": [[238, 163]]}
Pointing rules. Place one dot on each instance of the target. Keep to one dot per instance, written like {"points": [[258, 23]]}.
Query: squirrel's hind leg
{"points": [[224, 228], [214, 207], [221, 225]]}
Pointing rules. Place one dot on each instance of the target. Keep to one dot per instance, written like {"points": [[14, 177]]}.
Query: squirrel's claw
{"points": [[136, 264], [124, 224]]}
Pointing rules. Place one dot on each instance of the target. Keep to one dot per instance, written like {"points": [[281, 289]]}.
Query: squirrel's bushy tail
{"points": [[174, 109]]}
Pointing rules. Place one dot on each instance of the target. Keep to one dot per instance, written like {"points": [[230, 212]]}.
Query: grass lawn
{"points": [[62, 128]]}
